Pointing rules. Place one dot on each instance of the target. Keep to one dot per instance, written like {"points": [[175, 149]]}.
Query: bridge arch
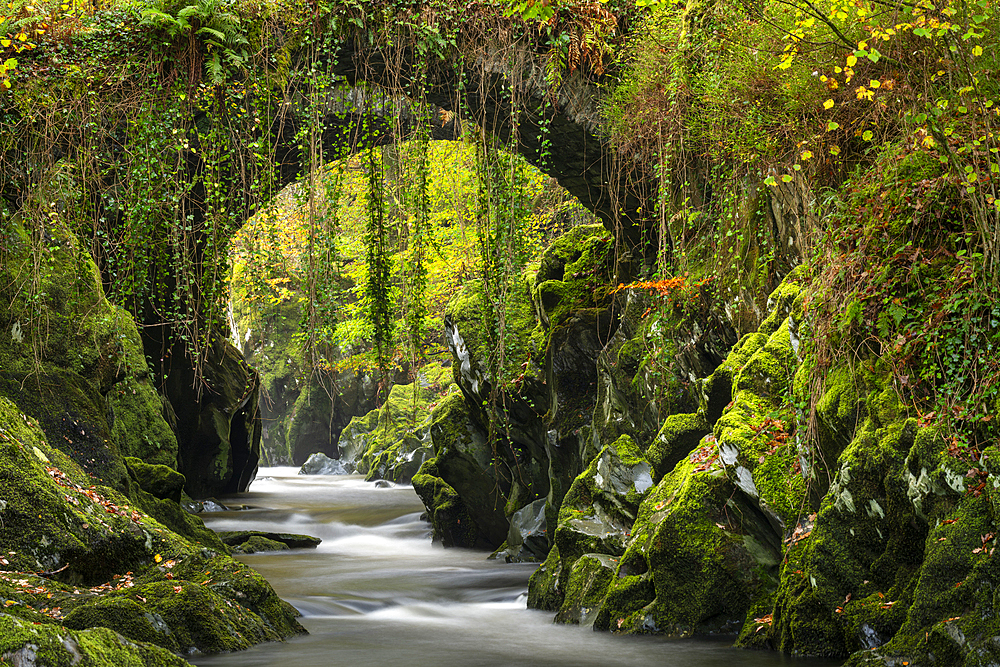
{"points": [[218, 164]]}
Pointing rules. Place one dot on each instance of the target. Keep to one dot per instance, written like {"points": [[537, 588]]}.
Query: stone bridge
{"points": [[557, 132], [503, 92]]}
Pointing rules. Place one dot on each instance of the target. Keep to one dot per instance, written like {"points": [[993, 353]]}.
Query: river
{"points": [[378, 592]]}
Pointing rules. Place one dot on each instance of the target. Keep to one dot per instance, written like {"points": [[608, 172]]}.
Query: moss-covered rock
{"points": [[466, 464], [595, 517], [96, 549], [157, 480], [448, 514], [588, 583], [236, 538], [393, 441], [258, 543], [705, 545], [23, 643], [72, 360], [695, 561]]}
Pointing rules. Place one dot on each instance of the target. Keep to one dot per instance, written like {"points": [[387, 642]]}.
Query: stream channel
{"points": [[378, 592]]}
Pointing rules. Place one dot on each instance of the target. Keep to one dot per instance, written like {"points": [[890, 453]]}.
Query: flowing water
{"points": [[377, 592]]}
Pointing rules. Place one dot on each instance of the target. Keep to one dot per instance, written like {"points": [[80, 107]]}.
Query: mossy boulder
{"points": [[237, 538], [573, 273], [703, 549], [588, 583], [24, 643], [258, 543], [695, 561], [449, 516], [95, 549], [157, 480], [465, 462], [596, 516], [393, 441]]}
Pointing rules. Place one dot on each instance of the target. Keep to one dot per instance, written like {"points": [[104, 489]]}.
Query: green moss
{"points": [[850, 584], [236, 538], [393, 441], [60, 372], [586, 588], [678, 437], [257, 544], [179, 614], [695, 562], [138, 425], [58, 647], [453, 525], [157, 480], [545, 587], [100, 548], [468, 465]]}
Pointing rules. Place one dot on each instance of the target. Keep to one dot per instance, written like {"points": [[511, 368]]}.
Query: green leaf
{"points": [[874, 55]]}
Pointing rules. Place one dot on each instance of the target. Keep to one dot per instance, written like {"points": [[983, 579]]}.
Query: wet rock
{"points": [[596, 517], [219, 434], [464, 462], [527, 538], [448, 514], [258, 543], [235, 538], [320, 464], [207, 505]]}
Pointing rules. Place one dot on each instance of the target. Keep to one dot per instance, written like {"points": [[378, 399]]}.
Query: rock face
{"points": [[90, 487], [219, 434], [872, 542]]}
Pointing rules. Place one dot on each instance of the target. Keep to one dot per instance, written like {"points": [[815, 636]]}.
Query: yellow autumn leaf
{"points": [[977, 50], [834, 150], [5, 43], [852, 61], [158, 558], [874, 83], [806, 155], [828, 104]]}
